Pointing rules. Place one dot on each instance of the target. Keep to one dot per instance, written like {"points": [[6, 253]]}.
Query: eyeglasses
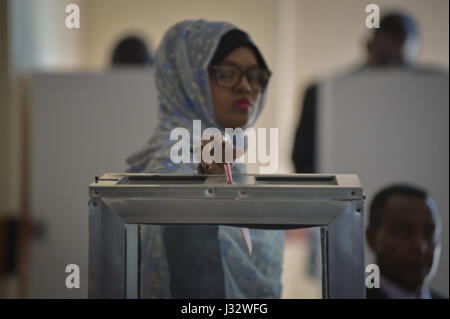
{"points": [[229, 75]]}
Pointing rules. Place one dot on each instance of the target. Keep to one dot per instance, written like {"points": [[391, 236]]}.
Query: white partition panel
{"points": [[81, 125], [388, 127]]}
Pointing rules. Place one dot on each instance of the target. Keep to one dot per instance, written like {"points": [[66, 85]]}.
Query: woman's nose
{"points": [[244, 85]]}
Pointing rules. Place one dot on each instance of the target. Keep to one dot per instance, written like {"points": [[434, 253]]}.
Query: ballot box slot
{"points": [[296, 180], [100, 179], [159, 180]]}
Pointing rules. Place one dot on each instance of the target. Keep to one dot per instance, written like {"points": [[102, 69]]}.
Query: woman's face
{"points": [[233, 107]]}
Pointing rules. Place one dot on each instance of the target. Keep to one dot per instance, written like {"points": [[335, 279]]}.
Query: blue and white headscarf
{"points": [[184, 94]]}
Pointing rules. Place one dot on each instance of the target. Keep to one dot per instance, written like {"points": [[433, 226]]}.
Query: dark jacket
{"points": [[378, 293]]}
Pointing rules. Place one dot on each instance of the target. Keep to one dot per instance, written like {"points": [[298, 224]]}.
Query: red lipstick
{"points": [[243, 104]]}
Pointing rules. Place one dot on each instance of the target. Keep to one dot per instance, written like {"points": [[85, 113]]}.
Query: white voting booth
{"points": [[81, 125], [389, 127]]}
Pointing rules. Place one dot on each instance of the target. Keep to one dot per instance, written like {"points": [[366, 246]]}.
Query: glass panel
{"points": [[302, 276], [132, 268], [297, 276]]}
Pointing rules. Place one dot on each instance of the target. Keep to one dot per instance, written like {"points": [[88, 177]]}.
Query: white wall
{"points": [[38, 40]]}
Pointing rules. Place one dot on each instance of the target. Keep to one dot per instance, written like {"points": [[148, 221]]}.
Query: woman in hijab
{"points": [[208, 71]]}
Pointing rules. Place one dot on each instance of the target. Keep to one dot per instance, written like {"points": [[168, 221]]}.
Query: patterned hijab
{"points": [[182, 81], [184, 92]]}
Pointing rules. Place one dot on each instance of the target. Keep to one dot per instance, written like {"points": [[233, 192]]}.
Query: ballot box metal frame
{"points": [[119, 203]]}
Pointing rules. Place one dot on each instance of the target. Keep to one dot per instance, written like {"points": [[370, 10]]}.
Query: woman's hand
{"points": [[219, 168]]}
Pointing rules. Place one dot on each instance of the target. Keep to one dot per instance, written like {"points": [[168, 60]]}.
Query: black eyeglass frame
{"points": [[242, 72]]}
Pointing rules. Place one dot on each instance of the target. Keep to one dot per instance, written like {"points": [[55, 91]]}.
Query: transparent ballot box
{"points": [[121, 204]]}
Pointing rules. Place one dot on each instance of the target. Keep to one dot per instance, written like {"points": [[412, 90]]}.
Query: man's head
{"points": [[394, 43], [404, 234]]}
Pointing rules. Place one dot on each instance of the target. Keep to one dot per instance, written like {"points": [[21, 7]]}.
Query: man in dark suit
{"points": [[394, 44], [404, 234]]}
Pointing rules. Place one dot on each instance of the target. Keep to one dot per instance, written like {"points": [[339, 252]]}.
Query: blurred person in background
{"points": [[404, 233], [394, 45], [131, 50]]}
